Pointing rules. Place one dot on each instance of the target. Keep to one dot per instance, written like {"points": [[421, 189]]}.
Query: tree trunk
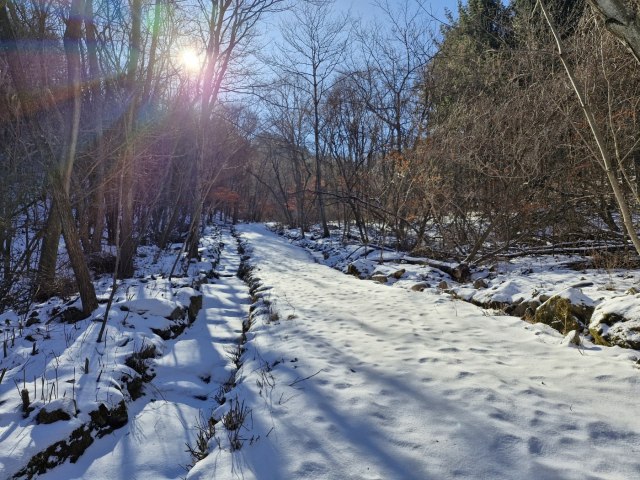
{"points": [[127, 244], [621, 21], [54, 168], [97, 201], [595, 129]]}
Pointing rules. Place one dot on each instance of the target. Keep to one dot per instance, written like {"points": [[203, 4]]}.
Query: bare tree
{"points": [[313, 47], [58, 170], [605, 156], [231, 23]]}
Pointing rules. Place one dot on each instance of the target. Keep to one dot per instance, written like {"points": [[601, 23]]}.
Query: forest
{"points": [[459, 138], [282, 239]]}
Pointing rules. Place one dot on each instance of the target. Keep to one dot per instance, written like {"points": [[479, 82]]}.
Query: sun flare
{"points": [[190, 60]]}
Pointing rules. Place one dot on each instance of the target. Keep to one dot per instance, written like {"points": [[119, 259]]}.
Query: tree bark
{"points": [[621, 21]]}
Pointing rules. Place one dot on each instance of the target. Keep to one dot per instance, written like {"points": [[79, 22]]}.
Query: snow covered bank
{"points": [[131, 413], [528, 287]]}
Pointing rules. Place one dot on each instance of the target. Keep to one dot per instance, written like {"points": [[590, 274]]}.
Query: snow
{"points": [[65, 405], [416, 385], [342, 378], [151, 306], [626, 311], [162, 422]]}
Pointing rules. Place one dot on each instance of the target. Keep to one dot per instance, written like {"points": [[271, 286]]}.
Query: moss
{"points": [[611, 318], [558, 313], [598, 339]]}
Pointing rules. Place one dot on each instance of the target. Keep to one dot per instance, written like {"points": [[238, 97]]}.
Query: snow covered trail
{"points": [[152, 445], [410, 385]]}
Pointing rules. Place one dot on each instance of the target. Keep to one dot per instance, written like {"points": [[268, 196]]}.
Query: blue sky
{"points": [[366, 10]]}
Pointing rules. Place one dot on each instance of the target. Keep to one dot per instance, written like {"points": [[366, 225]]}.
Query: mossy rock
{"points": [[107, 420], [399, 273], [103, 421], [379, 278], [623, 334], [177, 314], [480, 283], [61, 409], [616, 322], [598, 338], [522, 307], [134, 387], [558, 313], [58, 453], [72, 315], [610, 319], [33, 321], [174, 331]]}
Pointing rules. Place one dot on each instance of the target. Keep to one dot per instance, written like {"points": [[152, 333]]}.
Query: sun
{"points": [[190, 59]]}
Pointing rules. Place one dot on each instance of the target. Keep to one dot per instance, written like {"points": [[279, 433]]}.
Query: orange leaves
{"points": [[223, 194]]}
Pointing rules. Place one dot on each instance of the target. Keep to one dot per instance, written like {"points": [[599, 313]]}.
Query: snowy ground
{"points": [[341, 378], [407, 384], [189, 371]]}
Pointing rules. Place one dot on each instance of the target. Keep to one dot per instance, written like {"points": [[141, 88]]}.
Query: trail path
{"points": [[411, 385]]}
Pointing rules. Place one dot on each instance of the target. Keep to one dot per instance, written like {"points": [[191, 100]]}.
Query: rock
{"points": [[33, 321], [177, 314], [379, 278], [419, 287], [72, 315], [521, 309], [159, 307], [352, 270], [398, 274], [101, 262], [462, 273], [480, 283], [443, 285], [58, 453], [574, 337], [569, 310], [544, 298], [617, 322], [195, 305], [582, 284], [113, 419], [56, 410]]}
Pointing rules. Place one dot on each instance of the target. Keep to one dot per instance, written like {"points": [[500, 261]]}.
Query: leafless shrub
{"points": [[234, 421], [206, 431]]}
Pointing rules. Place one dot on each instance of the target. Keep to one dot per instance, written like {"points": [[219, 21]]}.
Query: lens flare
{"points": [[190, 60]]}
